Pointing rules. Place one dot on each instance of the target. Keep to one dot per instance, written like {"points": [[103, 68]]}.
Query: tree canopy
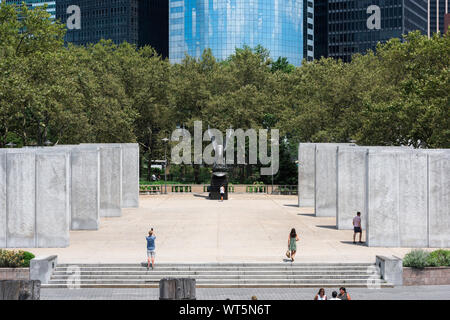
{"points": [[398, 95]]}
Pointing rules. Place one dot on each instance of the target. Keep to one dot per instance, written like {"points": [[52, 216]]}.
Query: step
{"points": [[160, 268], [208, 273], [220, 285], [266, 280], [219, 265], [200, 277]]}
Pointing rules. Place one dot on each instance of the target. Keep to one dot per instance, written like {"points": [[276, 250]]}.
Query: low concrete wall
{"points": [[41, 268], [14, 274], [426, 276], [391, 269]]}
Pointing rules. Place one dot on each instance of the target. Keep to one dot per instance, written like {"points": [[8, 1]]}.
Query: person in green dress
{"points": [[292, 243]]}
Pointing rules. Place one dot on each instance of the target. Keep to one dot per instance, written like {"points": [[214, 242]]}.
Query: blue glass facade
{"points": [[224, 25]]}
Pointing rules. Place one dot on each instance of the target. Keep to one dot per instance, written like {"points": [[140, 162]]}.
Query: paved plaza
{"points": [[191, 228], [398, 293]]}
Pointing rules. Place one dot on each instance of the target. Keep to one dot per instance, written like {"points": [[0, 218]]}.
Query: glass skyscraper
{"points": [[224, 25], [51, 5]]}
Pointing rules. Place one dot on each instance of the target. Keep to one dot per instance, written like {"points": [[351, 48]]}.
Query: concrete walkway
{"points": [[399, 293], [190, 228]]}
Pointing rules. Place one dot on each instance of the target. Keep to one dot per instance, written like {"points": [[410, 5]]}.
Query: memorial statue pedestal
{"points": [[214, 188]]}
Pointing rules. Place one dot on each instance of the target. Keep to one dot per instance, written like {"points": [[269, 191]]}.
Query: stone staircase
{"points": [[219, 275]]}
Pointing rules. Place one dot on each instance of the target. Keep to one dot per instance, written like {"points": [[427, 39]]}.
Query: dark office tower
{"points": [[154, 25], [116, 20], [308, 30], [447, 22], [437, 11], [358, 25], [320, 28], [139, 22]]}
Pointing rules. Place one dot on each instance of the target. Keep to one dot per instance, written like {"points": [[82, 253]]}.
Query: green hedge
{"points": [[15, 258], [421, 259]]}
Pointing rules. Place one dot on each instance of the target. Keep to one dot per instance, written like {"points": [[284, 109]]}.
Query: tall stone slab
{"points": [[130, 175], [85, 193], [397, 197], [110, 181], [325, 180], [20, 199], [52, 198], [306, 174], [2, 198], [439, 199], [351, 186]]}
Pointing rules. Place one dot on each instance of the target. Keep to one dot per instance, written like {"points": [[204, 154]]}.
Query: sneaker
{"points": [[152, 267], [354, 242]]}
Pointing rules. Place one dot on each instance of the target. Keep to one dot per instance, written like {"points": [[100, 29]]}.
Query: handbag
{"points": [[288, 253]]}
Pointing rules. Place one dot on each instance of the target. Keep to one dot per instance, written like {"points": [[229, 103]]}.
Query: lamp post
{"points": [[272, 140], [166, 140]]}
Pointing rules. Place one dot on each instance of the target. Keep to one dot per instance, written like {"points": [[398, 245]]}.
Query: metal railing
{"points": [[149, 189]]}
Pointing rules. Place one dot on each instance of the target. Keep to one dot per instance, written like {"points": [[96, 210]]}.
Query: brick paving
{"points": [[398, 293]]}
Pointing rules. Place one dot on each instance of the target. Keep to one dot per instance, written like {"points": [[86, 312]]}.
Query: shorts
{"points": [[357, 229], [151, 253]]}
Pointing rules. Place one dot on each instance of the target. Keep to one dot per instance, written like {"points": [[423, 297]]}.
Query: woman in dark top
{"points": [[292, 243]]}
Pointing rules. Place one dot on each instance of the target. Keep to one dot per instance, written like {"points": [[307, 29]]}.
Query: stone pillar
{"points": [[2, 198], [20, 199], [130, 175], [439, 199], [351, 186], [325, 180], [306, 174], [110, 181], [52, 198], [396, 203], [85, 188]]}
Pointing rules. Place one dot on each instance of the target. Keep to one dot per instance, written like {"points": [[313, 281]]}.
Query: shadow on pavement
{"points": [[354, 244], [327, 227]]}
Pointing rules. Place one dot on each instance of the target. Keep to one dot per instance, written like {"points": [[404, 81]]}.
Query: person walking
{"points": [[222, 192], [357, 227], [151, 249], [343, 295], [321, 295], [292, 243]]}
